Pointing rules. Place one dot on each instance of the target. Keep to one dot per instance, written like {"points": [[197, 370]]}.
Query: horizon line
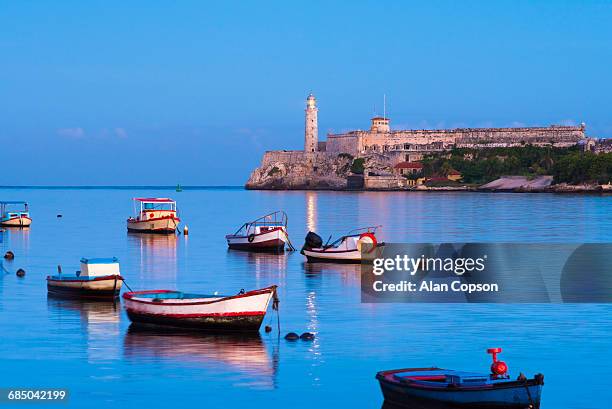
{"points": [[162, 187]]}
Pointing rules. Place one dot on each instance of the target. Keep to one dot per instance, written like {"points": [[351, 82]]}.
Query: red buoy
{"points": [[498, 368], [371, 237]]}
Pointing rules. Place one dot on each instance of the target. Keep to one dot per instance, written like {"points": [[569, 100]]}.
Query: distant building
{"points": [[598, 145], [412, 145], [397, 146], [454, 175], [311, 128], [408, 168]]}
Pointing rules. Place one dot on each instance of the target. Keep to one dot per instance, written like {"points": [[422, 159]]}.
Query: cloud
{"points": [[79, 133], [73, 133], [121, 132]]}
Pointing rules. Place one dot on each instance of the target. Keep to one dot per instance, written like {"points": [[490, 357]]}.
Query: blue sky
{"points": [[156, 93]]}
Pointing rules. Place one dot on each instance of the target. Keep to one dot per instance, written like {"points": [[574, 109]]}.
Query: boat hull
{"points": [[16, 222], [240, 313], [107, 287], [240, 323], [316, 256], [162, 225], [269, 241], [511, 396]]}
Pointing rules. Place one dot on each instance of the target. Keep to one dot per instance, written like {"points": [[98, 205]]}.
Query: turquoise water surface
{"points": [[89, 348]]}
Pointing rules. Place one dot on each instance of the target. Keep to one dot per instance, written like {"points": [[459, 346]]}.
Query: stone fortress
{"points": [[326, 164]]}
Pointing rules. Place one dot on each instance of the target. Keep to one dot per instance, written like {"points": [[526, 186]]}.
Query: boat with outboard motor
{"points": [[98, 278], [346, 249], [17, 217], [438, 388], [242, 312], [154, 215], [267, 233]]}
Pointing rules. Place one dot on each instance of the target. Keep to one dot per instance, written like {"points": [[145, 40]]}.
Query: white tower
{"points": [[311, 131]]}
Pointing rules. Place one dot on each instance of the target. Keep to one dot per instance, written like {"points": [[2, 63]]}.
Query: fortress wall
{"points": [[357, 141], [342, 144], [404, 156], [294, 157], [271, 157], [416, 138], [549, 134]]}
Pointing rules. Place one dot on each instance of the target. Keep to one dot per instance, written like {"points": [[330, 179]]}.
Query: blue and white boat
{"points": [[99, 278], [436, 388], [11, 217]]}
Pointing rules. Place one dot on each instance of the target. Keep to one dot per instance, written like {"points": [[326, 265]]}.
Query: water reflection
{"points": [[242, 353], [157, 254], [18, 237], [311, 211], [349, 273], [262, 264], [99, 320], [313, 326]]}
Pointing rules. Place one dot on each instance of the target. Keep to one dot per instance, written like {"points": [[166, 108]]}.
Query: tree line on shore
{"points": [[479, 166]]}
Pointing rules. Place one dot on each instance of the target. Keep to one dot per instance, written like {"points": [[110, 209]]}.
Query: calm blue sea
{"points": [[89, 349]]}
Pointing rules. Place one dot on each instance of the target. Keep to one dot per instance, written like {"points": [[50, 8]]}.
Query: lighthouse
{"points": [[311, 131]]}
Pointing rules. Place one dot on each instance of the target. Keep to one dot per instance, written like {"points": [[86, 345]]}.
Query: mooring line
{"points": [[291, 246], [126, 284]]}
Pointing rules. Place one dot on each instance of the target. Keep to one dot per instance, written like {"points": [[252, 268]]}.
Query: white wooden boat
{"points": [[98, 278], [268, 233], [242, 312], [154, 215], [346, 249], [14, 217]]}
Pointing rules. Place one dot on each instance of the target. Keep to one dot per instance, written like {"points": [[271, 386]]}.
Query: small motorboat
{"points": [[243, 312], [346, 249], [154, 215], [444, 388], [15, 217], [98, 278], [268, 233]]}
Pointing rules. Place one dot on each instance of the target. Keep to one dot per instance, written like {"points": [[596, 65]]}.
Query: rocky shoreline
{"points": [[578, 189], [339, 173]]}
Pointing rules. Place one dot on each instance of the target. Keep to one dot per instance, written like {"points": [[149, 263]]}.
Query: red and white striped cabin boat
{"points": [[154, 215], [14, 218]]}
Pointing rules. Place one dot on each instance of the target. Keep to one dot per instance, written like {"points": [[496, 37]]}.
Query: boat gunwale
{"points": [[234, 236], [134, 220], [382, 377], [84, 279], [7, 219], [331, 251], [326, 249], [130, 296]]}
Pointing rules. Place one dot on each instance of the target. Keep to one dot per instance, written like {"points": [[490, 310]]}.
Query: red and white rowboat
{"points": [[242, 312], [154, 215], [268, 233], [346, 249]]}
